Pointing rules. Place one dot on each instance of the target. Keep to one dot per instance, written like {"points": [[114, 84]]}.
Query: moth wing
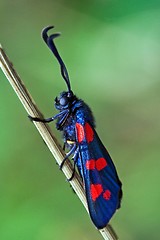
{"points": [[102, 185]]}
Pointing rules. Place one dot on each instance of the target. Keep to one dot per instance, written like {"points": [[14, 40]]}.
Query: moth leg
{"points": [[63, 119], [74, 169], [67, 155], [64, 146], [47, 120], [36, 119], [75, 161], [75, 154]]}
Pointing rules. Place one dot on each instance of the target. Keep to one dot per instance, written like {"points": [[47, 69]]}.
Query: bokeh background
{"points": [[112, 52]]}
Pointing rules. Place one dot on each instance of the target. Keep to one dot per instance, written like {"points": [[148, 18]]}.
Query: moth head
{"points": [[64, 100]]}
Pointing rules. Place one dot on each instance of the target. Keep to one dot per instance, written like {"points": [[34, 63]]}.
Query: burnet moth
{"points": [[101, 183]]}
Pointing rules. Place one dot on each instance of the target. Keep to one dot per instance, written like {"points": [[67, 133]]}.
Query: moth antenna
{"points": [[44, 33], [50, 43]]}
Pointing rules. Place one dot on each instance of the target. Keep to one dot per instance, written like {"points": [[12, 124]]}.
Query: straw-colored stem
{"points": [[53, 145]]}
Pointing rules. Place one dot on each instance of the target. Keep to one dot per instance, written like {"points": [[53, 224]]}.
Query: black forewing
{"points": [[101, 210]]}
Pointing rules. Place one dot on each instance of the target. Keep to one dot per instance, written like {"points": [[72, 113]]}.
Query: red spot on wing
{"points": [[90, 164], [96, 190], [89, 132], [98, 164], [101, 163], [80, 132], [85, 132], [107, 195]]}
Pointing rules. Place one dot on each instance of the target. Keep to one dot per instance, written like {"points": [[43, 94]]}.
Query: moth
{"points": [[75, 120]]}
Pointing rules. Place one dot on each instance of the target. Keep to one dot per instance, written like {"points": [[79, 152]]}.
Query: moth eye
{"points": [[63, 101]]}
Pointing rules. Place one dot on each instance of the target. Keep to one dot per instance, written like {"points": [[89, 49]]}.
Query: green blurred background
{"points": [[112, 52]]}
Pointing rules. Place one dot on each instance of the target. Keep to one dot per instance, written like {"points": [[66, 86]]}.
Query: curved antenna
{"points": [[50, 43]]}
